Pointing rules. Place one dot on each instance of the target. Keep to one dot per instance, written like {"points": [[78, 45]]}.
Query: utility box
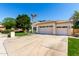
{"points": [[12, 34]]}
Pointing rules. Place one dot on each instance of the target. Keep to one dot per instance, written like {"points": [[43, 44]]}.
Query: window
{"points": [[61, 27], [41, 27], [64, 27], [50, 26], [58, 27], [34, 28], [45, 26]]}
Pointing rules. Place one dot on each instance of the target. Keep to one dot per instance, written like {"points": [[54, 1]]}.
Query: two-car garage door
{"points": [[49, 30]]}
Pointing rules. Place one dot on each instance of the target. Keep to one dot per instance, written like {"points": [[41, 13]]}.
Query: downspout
{"points": [[54, 28], [73, 28]]}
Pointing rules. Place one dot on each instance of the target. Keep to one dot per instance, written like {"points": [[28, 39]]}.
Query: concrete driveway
{"points": [[37, 45], [2, 48]]}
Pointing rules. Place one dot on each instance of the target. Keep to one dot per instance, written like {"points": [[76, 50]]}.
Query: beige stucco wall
{"points": [[44, 24], [69, 24], [2, 29]]}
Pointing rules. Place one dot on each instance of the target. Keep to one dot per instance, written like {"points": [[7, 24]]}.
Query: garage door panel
{"points": [[45, 30], [61, 31]]}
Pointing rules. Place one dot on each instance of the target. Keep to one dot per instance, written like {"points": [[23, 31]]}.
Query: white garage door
{"points": [[61, 31], [46, 30]]}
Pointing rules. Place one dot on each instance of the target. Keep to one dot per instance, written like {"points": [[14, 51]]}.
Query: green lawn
{"points": [[73, 47], [20, 34]]}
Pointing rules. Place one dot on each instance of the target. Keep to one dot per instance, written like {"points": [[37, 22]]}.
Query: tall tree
{"points": [[33, 16], [75, 19], [23, 22], [9, 22]]}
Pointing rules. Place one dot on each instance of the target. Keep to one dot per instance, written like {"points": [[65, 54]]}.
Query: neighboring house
{"points": [[53, 27], [2, 28]]}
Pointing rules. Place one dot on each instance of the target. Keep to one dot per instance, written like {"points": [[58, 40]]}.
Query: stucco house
{"points": [[2, 28], [53, 27]]}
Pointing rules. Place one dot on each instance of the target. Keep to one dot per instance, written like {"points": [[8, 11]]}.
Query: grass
{"points": [[73, 47], [20, 34]]}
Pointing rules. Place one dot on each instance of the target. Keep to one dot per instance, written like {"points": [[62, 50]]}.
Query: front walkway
{"points": [[2, 49], [37, 45]]}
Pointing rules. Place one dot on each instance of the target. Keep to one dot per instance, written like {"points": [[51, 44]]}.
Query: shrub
{"points": [[6, 31], [20, 34]]}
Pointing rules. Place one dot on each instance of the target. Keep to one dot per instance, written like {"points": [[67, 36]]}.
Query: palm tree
{"points": [[75, 18], [33, 16]]}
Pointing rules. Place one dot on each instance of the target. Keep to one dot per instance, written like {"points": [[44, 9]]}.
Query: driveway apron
{"points": [[2, 48]]}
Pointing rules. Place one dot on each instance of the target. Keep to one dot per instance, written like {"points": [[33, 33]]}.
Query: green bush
{"points": [[20, 34], [6, 31]]}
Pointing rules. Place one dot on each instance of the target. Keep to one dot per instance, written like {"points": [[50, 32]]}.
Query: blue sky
{"points": [[44, 11]]}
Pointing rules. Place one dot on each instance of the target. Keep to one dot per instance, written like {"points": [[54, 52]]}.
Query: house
{"points": [[53, 27], [2, 28]]}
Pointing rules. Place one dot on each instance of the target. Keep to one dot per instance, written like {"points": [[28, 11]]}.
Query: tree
{"points": [[75, 19], [23, 22], [33, 16], [76, 25], [9, 22]]}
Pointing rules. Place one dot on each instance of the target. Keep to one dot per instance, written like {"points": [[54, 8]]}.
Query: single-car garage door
{"points": [[62, 31], [45, 30]]}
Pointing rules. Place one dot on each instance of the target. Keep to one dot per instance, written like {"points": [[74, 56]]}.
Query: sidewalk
{"points": [[2, 49]]}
